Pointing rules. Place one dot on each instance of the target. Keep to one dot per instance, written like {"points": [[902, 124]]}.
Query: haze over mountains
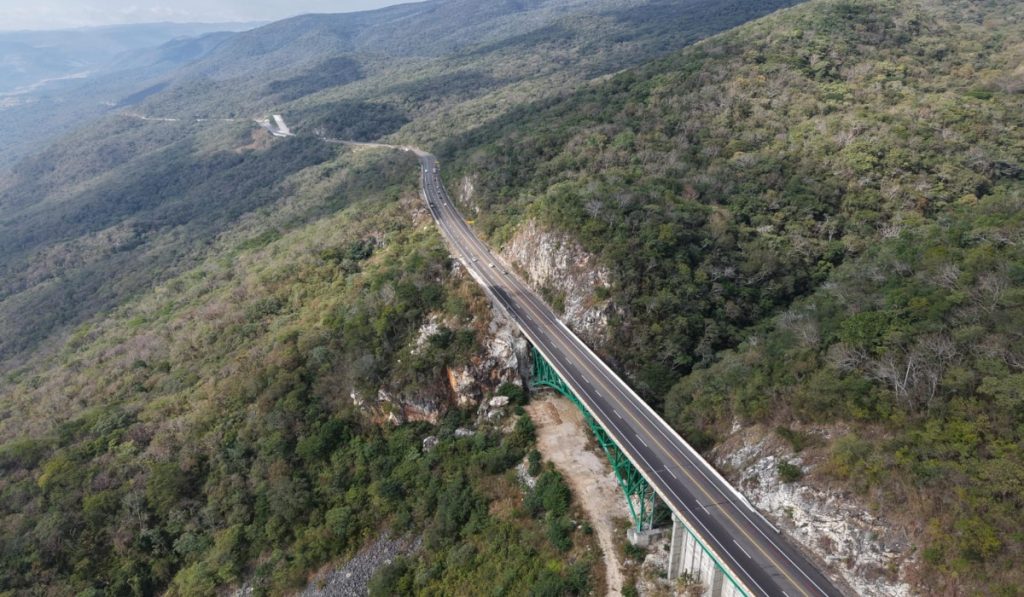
{"points": [[393, 43], [52, 81], [357, 76], [806, 227], [31, 58]]}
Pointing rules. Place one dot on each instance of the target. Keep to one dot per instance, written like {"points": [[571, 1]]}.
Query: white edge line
{"points": [[660, 424], [707, 544], [743, 550], [671, 430], [597, 414], [704, 539]]}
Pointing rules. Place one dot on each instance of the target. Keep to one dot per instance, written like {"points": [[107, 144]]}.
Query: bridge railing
{"points": [[645, 507]]}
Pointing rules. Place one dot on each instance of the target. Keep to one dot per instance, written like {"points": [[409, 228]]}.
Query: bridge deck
{"points": [[756, 554]]}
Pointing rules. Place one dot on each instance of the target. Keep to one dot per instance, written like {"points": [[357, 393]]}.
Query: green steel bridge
{"points": [[717, 536]]}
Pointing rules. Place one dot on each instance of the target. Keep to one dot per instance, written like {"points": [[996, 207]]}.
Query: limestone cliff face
{"points": [[397, 408], [555, 264], [467, 194], [503, 358], [558, 266], [872, 555]]}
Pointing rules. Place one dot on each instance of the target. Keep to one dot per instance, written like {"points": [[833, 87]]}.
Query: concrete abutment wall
{"points": [[688, 557]]}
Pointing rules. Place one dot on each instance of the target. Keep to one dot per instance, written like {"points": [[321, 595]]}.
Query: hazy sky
{"points": [[61, 14]]}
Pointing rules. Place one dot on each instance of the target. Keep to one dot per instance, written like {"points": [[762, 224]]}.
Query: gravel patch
{"points": [[352, 578]]}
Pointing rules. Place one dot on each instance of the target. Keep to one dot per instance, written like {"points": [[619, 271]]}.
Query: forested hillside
{"points": [[205, 435], [82, 230], [203, 328], [835, 190], [427, 60], [812, 222]]}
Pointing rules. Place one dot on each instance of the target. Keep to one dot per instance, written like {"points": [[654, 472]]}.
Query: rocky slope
{"points": [[570, 278], [873, 555], [503, 358]]}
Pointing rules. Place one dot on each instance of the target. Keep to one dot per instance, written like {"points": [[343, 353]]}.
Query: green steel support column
{"points": [[644, 506]]}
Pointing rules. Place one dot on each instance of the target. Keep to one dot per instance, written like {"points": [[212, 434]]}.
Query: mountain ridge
{"points": [[789, 214], [349, 90]]}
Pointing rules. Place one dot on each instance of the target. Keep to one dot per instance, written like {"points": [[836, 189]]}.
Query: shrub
{"points": [[550, 494], [516, 394], [789, 472], [635, 552], [534, 463], [393, 579], [524, 433], [798, 440], [558, 531]]}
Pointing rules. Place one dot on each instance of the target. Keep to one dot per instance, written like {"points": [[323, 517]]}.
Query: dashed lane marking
{"points": [[743, 550]]}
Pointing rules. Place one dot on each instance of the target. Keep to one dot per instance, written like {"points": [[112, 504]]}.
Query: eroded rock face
{"points": [[873, 556], [504, 359], [405, 408], [554, 261], [507, 356], [353, 577], [494, 409], [464, 386], [467, 194], [428, 329]]}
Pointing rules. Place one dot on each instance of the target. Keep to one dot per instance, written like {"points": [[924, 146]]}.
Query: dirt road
{"points": [[562, 438]]}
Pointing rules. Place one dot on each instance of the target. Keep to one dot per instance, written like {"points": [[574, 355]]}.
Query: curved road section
{"points": [[753, 550]]}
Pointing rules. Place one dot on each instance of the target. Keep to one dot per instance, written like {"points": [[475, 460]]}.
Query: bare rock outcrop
{"points": [[503, 359], [556, 263], [871, 555]]}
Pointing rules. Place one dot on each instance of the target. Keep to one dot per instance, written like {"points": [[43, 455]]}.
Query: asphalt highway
{"points": [[754, 551]]}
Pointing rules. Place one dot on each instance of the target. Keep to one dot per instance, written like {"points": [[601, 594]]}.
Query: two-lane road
{"points": [[754, 551]]}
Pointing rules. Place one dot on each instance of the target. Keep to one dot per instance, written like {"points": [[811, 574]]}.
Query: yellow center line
{"points": [[565, 346], [568, 348]]}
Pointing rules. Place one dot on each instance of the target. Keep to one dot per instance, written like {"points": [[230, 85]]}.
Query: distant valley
{"points": [[234, 356]]}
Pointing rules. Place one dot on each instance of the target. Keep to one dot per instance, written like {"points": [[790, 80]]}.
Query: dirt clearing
{"points": [[564, 439]]}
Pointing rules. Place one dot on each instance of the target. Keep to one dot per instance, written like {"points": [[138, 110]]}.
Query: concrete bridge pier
{"points": [[688, 557]]}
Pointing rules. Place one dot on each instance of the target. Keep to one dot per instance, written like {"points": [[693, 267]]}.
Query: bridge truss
{"points": [[645, 508]]}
